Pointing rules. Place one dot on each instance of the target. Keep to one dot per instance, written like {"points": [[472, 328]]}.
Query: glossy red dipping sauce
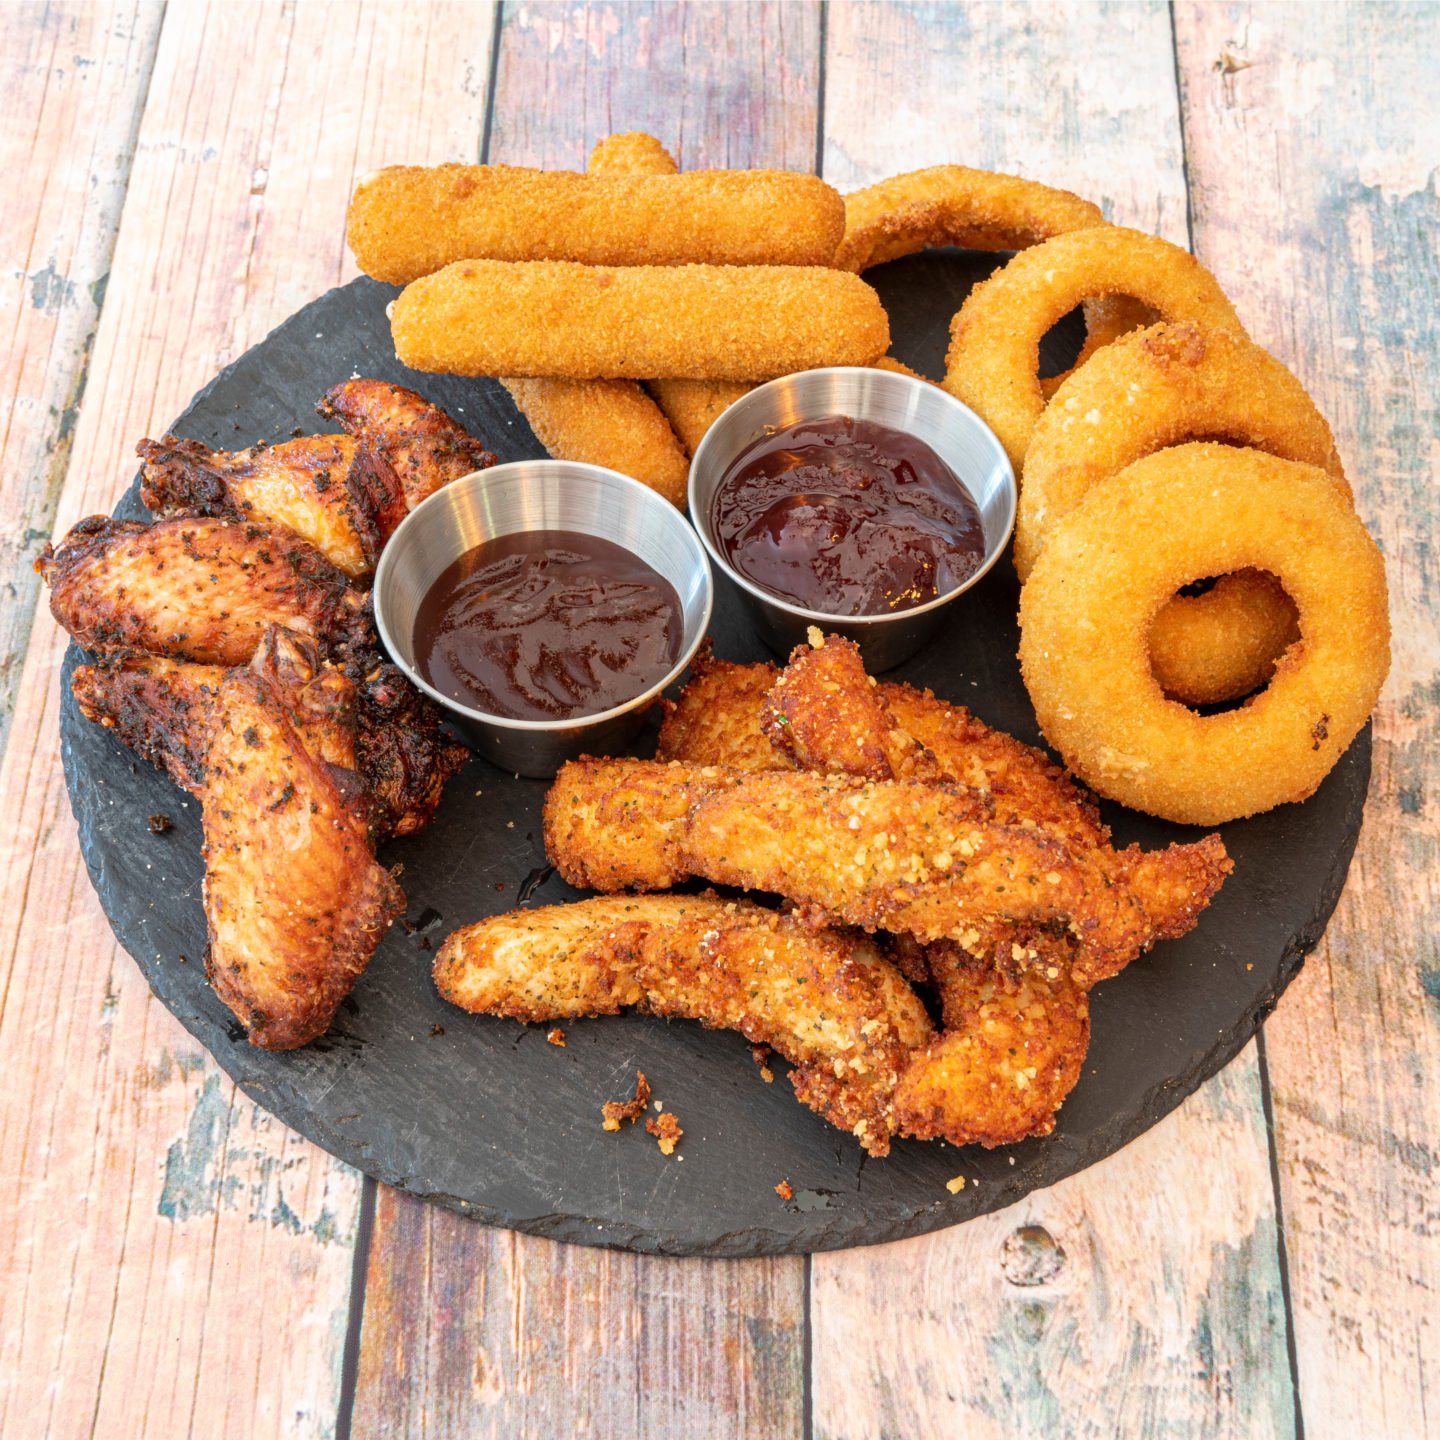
{"points": [[848, 517], [547, 625]]}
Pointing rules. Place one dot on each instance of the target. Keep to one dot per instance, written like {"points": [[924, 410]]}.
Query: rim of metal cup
{"points": [[547, 469], [700, 515]]}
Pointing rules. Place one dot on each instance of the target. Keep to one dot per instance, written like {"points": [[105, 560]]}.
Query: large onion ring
{"points": [[995, 339], [1163, 386], [975, 210], [1109, 566]]}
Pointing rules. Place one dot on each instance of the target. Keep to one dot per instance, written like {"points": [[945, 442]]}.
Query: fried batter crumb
{"points": [[666, 1131], [557, 1037], [956, 1185], [761, 1054], [615, 1111], [785, 1190]]}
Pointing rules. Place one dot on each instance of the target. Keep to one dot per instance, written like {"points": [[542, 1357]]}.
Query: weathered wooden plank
{"points": [[1313, 136], [1166, 1313], [175, 1261], [482, 1332], [73, 83]]}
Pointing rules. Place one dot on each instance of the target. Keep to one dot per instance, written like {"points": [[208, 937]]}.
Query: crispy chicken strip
{"points": [[826, 713], [716, 720], [897, 855], [194, 589], [829, 1003], [620, 824], [424, 447], [294, 899], [1010, 1053], [331, 490]]}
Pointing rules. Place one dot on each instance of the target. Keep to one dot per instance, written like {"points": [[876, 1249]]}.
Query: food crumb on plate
{"points": [[956, 1185], [557, 1037], [785, 1190], [615, 1111], [666, 1131]]}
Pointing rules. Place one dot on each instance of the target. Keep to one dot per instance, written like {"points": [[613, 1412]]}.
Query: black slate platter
{"points": [[483, 1115]]}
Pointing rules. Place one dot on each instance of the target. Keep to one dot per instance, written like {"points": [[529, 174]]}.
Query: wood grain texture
{"points": [[720, 85], [177, 1262], [478, 1332], [1171, 1294], [1313, 138], [525, 1336], [74, 83]]}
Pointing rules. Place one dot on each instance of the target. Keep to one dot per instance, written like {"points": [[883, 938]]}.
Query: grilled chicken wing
{"points": [[193, 589], [423, 446], [829, 1003], [295, 901], [383, 730], [333, 491]]}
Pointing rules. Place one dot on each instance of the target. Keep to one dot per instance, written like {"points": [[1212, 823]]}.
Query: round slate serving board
{"points": [[482, 1114]]}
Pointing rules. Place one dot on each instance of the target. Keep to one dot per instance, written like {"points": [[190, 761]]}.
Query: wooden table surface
{"points": [[174, 1262]]}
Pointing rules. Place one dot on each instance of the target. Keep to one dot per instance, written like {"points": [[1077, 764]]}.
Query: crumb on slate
{"points": [[785, 1190], [437, 1028], [666, 1131], [615, 1111], [557, 1037], [159, 824], [956, 1185], [760, 1054]]}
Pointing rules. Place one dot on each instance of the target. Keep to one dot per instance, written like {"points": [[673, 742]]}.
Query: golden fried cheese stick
{"points": [[829, 1003], [613, 423], [408, 221], [582, 322], [693, 406], [632, 152]]}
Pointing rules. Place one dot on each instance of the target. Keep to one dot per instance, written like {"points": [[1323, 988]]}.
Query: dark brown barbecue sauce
{"points": [[547, 625], [847, 517]]}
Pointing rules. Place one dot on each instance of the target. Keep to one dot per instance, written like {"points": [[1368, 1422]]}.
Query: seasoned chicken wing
{"points": [[295, 901], [333, 491], [828, 1002], [383, 730], [423, 446], [193, 589]]}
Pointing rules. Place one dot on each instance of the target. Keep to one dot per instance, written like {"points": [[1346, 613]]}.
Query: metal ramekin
{"points": [[539, 495], [954, 431]]}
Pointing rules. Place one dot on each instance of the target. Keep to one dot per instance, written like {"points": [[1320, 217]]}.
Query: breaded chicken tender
{"points": [[1010, 1053], [408, 221], [829, 1003], [826, 713], [583, 322], [613, 423], [716, 719]]}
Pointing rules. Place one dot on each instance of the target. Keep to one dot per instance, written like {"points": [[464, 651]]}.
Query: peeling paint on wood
{"points": [[1313, 149], [1138, 1305], [74, 83]]}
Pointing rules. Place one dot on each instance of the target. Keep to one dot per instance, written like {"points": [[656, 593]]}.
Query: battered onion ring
{"points": [[1162, 386], [1225, 643], [1109, 566], [995, 339], [975, 210]]}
